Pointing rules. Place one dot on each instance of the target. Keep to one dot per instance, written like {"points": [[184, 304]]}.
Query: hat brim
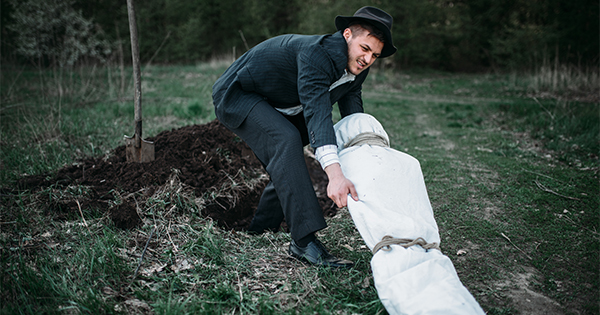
{"points": [[342, 22]]}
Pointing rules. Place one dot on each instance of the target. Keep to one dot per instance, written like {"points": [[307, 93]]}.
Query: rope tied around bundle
{"points": [[371, 138], [388, 240]]}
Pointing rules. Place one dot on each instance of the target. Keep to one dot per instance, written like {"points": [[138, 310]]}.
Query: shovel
{"points": [[137, 149]]}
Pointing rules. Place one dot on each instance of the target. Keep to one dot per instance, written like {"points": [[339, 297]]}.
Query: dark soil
{"points": [[205, 157]]}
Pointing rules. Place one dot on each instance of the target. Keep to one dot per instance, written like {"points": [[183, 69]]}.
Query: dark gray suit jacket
{"points": [[287, 71]]}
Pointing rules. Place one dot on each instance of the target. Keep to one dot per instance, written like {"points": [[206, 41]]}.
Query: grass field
{"points": [[512, 174]]}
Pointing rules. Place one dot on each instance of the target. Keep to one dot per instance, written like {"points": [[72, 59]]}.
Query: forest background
{"points": [[465, 36]]}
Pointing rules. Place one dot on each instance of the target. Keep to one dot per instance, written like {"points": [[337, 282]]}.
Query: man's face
{"points": [[363, 50]]}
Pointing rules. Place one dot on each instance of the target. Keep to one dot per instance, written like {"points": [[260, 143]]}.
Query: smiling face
{"points": [[363, 50]]}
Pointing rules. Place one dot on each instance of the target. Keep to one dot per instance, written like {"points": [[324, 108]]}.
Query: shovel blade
{"points": [[142, 153]]}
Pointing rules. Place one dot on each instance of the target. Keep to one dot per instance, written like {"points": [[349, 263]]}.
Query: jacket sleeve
{"points": [[352, 102], [315, 74]]}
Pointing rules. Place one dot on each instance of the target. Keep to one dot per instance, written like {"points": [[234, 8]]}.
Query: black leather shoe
{"points": [[315, 253]]}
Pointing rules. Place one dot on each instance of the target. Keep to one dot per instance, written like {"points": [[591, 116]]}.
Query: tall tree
{"points": [[52, 31]]}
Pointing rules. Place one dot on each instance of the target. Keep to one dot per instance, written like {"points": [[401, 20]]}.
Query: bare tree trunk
{"points": [[121, 62]]}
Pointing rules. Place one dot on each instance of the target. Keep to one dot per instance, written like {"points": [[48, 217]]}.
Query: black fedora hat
{"points": [[376, 17]]}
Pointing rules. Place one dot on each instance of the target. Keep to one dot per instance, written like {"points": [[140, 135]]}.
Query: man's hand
{"points": [[339, 186]]}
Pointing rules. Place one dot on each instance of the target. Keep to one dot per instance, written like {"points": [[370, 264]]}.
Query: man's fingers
{"points": [[338, 192], [341, 202]]}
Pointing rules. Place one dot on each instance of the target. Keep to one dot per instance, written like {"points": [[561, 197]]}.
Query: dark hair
{"points": [[359, 27]]}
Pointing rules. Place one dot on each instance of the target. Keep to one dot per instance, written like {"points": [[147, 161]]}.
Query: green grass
{"points": [[499, 166], [512, 177]]}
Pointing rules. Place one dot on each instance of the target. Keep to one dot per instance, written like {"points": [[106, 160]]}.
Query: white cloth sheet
{"points": [[393, 201]]}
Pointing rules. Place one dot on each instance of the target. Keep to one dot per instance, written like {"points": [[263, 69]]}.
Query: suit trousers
{"points": [[278, 142]]}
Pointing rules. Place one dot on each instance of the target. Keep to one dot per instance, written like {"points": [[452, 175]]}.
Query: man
{"points": [[278, 97]]}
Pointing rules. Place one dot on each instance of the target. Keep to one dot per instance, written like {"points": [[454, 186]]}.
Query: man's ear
{"points": [[347, 34]]}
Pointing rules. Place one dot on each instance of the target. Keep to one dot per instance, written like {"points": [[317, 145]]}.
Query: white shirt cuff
{"points": [[327, 155]]}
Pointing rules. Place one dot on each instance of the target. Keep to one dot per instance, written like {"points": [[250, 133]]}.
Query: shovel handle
{"points": [[135, 55]]}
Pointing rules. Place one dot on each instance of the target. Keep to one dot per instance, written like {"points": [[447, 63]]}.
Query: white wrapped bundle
{"points": [[393, 201]]}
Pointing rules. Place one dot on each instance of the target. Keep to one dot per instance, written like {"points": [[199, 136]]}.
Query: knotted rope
{"points": [[371, 138], [387, 240]]}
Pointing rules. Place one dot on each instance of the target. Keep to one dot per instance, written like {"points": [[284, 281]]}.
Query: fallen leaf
{"points": [[155, 268], [137, 304], [108, 291], [366, 282], [181, 264]]}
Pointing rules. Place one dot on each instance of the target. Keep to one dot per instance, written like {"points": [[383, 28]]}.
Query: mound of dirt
{"points": [[204, 158]]}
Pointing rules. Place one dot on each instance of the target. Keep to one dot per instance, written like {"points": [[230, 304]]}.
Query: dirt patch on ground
{"points": [[526, 300], [206, 159]]}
